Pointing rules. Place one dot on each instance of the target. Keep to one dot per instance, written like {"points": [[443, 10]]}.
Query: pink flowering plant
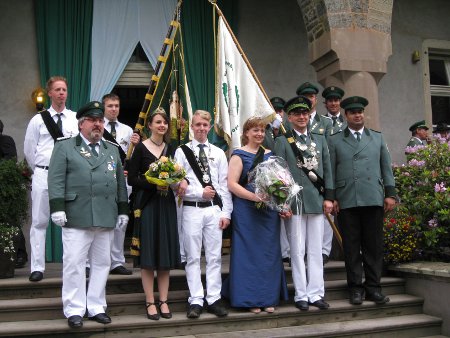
{"points": [[423, 186]]}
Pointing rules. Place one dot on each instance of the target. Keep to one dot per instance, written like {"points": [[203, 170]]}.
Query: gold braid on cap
{"points": [[297, 105]]}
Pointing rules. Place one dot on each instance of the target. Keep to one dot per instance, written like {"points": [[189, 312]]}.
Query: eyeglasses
{"points": [[299, 112], [94, 120]]}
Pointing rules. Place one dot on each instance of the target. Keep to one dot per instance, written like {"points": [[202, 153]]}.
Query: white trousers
{"points": [[285, 250], [117, 245], [201, 225], [180, 230], [40, 216], [79, 244], [327, 236], [305, 234]]}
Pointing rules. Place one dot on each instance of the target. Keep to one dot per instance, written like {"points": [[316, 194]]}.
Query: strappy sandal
{"points": [[166, 315], [149, 316]]}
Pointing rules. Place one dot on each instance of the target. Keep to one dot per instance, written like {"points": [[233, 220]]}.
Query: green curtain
{"points": [[63, 29], [198, 43]]}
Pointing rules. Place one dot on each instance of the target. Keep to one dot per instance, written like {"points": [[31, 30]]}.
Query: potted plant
{"points": [[14, 183]]}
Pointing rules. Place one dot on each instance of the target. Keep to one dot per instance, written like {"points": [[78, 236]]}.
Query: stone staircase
{"points": [[34, 310]]}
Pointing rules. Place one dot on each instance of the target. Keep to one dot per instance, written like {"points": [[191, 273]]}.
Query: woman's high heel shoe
{"points": [[166, 315], [149, 316]]}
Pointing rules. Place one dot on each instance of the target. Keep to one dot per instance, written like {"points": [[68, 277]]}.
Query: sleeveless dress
{"points": [[159, 244], [256, 277]]}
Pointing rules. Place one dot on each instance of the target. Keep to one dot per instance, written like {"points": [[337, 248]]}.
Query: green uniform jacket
{"points": [[312, 201], [91, 190], [321, 125], [414, 141], [362, 170], [340, 125]]}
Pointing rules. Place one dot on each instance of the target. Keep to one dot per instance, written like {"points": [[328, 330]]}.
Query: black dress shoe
{"points": [[217, 309], [101, 318], [20, 262], [120, 270], [302, 305], [377, 297], [88, 272], [75, 321], [325, 259], [356, 298], [321, 304], [36, 276], [194, 311]]}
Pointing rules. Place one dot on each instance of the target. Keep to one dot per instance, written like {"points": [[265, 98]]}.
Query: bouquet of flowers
{"points": [[164, 172], [274, 184]]}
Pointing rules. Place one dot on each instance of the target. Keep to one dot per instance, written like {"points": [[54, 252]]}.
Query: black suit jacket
{"points": [[7, 148]]}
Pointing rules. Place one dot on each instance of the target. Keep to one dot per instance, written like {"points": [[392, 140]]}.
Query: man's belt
{"points": [[199, 204], [42, 167]]}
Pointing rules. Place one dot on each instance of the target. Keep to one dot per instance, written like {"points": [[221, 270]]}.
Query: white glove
{"points": [[277, 122], [122, 221], [59, 218]]}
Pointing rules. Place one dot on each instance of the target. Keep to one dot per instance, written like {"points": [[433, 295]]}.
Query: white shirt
{"points": [[361, 131], [123, 133], [218, 166], [38, 144]]}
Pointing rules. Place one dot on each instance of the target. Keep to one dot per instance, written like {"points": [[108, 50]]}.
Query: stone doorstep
{"points": [[285, 315], [432, 269]]}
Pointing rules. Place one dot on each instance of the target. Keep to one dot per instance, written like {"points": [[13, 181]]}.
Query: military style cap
{"points": [[441, 126], [333, 91], [307, 88], [354, 103], [417, 125], [277, 102], [298, 102], [93, 109]]}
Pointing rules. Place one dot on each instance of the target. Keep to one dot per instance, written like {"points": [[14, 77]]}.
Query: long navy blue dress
{"points": [[256, 276]]}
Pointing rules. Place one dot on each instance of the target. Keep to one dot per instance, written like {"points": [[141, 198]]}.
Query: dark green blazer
{"points": [[312, 201], [91, 190], [362, 170], [321, 125]]}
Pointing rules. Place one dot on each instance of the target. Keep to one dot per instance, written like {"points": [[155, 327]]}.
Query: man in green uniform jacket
{"points": [[364, 190], [88, 198]]}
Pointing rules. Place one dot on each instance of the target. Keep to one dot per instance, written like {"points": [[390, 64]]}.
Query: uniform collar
{"points": [[195, 143], [53, 112]]}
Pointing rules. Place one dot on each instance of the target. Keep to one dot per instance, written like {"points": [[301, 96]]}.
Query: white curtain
{"points": [[118, 25]]}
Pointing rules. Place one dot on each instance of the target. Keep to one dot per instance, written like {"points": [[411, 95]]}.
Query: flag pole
{"points": [[241, 51], [154, 80]]}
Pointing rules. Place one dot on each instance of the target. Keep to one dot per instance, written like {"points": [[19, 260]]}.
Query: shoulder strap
{"points": [[51, 125], [190, 156], [318, 183], [259, 157], [107, 136]]}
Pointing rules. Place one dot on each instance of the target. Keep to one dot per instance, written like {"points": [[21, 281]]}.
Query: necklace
{"points": [[156, 144]]}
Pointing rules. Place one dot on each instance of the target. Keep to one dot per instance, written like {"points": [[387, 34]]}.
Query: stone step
{"points": [[340, 314], [133, 302], [20, 287], [400, 326]]}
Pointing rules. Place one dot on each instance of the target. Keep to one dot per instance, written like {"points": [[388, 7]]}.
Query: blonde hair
{"points": [[203, 114], [52, 80], [252, 122]]}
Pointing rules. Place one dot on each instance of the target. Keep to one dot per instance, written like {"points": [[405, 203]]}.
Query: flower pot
{"points": [[7, 265]]}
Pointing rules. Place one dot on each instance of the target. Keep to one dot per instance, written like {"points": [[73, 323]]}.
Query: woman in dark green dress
{"points": [[158, 232]]}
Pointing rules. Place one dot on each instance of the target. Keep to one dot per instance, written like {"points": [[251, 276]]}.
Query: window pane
{"points": [[440, 106], [438, 75]]}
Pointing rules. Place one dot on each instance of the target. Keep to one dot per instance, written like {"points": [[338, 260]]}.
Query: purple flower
{"points": [[416, 163], [440, 187], [433, 223]]}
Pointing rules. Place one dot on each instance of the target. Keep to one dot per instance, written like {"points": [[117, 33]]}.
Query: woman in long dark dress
{"points": [[159, 245], [256, 278]]}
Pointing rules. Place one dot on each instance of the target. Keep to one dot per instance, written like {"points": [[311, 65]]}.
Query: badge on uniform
{"points": [[85, 153]]}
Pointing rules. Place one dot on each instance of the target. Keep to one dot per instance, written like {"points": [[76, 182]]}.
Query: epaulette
{"points": [[63, 138], [376, 131], [335, 132], [114, 144]]}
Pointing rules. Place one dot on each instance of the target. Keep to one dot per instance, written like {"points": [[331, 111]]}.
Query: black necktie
{"points": [[92, 145], [203, 158], [358, 136], [113, 129], [334, 118], [59, 121], [303, 138]]}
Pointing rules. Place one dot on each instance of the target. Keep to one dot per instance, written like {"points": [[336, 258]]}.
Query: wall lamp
{"points": [[39, 98]]}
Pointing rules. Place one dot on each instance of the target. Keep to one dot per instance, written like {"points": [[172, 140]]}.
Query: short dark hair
{"points": [[110, 96]]}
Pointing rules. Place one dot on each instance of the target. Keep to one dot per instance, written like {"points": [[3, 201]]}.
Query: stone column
{"points": [[349, 46]]}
